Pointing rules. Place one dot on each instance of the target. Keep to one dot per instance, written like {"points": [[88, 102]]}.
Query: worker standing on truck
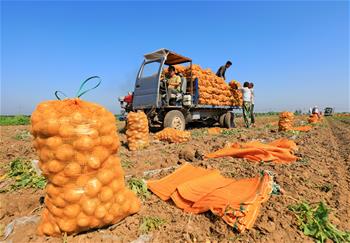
{"points": [[246, 93], [252, 115], [222, 70]]}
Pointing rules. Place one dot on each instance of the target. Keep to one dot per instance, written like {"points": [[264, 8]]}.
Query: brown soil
{"points": [[324, 163]]}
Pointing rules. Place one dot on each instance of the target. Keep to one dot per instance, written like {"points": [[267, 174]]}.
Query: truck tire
{"points": [[229, 120], [175, 119], [222, 120]]}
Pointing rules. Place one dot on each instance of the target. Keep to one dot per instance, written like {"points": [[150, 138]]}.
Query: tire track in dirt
{"points": [[339, 138]]}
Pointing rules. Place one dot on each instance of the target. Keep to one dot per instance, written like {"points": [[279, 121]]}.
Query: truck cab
{"points": [[164, 109], [328, 111]]}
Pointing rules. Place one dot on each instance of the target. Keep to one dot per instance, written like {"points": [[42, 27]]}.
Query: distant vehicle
{"points": [[150, 96], [328, 111]]}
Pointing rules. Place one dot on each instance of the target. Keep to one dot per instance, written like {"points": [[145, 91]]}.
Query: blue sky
{"points": [[296, 53]]}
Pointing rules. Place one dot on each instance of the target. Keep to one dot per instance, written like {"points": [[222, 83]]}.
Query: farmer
{"points": [[316, 111], [222, 70], [252, 115], [247, 99], [174, 81]]}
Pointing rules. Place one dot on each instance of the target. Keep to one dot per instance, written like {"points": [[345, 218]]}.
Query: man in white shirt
{"points": [[252, 116], [247, 98]]}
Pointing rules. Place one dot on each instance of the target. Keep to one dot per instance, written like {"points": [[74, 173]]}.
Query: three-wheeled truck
{"points": [[164, 109]]}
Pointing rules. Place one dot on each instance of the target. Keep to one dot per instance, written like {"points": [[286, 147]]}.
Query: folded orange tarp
{"points": [[279, 151], [236, 201], [302, 128]]}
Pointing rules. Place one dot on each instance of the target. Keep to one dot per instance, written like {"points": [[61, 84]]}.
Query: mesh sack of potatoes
{"points": [[76, 142], [286, 120], [214, 130], [137, 130], [213, 90], [172, 135], [313, 118], [236, 94]]}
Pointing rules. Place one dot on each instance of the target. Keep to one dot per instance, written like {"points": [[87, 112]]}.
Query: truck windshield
{"points": [[150, 69]]}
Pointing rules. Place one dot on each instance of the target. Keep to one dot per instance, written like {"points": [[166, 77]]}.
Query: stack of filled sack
{"points": [[286, 120], [213, 90], [236, 93], [314, 118], [173, 135], [76, 142], [137, 130]]}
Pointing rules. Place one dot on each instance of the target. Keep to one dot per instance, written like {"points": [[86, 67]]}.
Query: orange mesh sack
{"points": [[137, 130], [172, 135], [213, 90], [214, 130], [286, 120], [76, 142], [313, 118]]}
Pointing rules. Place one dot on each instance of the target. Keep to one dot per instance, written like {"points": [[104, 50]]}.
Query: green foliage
{"points": [[197, 133], [150, 223], [24, 175], [126, 164], [139, 187], [314, 222], [23, 135], [229, 132], [14, 120]]}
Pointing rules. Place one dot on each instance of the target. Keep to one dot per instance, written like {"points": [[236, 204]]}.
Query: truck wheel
{"points": [[229, 121], [222, 120], [175, 119]]}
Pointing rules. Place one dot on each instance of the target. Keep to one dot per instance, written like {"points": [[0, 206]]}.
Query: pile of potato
{"points": [[286, 120], [137, 130], [76, 142], [172, 135], [212, 89], [313, 118], [236, 93]]}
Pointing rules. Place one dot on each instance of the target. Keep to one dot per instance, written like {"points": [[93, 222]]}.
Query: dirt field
{"points": [[321, 174]]}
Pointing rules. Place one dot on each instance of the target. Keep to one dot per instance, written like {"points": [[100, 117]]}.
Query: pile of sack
{"points": [[173, 135], [213, 90], [286, 120], [137, 130], [76, 142]]}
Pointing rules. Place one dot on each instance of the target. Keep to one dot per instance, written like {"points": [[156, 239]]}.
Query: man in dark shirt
{"points": [[222, 70]]}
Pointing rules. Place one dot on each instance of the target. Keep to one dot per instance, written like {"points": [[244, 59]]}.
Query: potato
{"points": [[64, 152], [67, 225], [106, 194], [71, 210], [100, 212], [105, 176], [93, 162], [72, 169], [93, 187], [83, 220], [53, 142], [73, 194], [55, 166], [89, 205]]}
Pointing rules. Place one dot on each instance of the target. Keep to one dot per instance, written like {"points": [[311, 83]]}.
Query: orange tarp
{"points": [[302, 128], [279, 151], [237, 202]]}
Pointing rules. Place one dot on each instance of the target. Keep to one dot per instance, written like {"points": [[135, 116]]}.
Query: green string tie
{"points": [[82, 90]]}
